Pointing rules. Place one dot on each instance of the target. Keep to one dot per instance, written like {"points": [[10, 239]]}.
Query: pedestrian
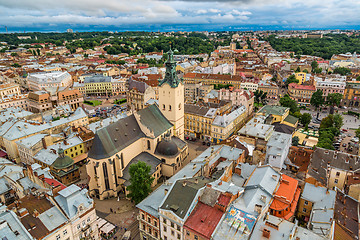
{"points": [[111, 210]]}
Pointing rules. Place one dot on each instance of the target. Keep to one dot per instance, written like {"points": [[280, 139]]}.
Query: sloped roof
{"points": [[117, 136]]}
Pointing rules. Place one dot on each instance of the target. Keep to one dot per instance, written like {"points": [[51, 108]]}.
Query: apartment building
{"points": [[98, 85], [301, 93], [48, 80], [139, 94]]}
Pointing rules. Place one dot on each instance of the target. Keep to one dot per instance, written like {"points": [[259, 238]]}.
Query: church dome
{"points": [[62, 161], [167, 148]]}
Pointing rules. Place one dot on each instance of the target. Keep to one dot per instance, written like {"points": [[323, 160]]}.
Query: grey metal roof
{"points": [[322, 159], [70, 198], [145, 157], [152, 203], [116, 136], [11, 225], [52, 218], [182, 194], [97, 79]]}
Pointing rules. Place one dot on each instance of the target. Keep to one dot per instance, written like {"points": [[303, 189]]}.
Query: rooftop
{"points": [[273, 110], [182, 195], [203, 219]]}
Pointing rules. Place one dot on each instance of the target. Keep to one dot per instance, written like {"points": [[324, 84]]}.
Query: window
{"points": [[143, 216], [156, 234], [169, 107], [336, 180], [148, 145], [196, 237], [172, 224], [164, 220], [65, 232], [187, 232], [163, 106], [337, 174], [143, 227], [149, 220], [172, 232], [178, 227], [304, 209], [178, 236], [306, 202], [164, 228], [83, 223], [58, 237], [155, 223], [78, 226]]}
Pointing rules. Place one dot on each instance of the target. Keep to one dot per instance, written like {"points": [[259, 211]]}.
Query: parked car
{"points": [[344, 145]]}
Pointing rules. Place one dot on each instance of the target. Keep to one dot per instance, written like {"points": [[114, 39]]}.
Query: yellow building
{"points": [[98, 85], [198, 121], [301, 76]]}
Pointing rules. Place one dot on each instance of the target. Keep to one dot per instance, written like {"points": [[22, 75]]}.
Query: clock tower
{"points": [[171, 97]]}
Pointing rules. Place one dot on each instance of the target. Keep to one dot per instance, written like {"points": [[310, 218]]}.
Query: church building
{"points": [[152, 135]]}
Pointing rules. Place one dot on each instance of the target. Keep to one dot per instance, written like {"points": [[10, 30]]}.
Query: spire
{"points": [[170, 75]]}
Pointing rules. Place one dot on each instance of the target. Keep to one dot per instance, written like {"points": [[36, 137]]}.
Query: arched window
{"points": [[179, 106], [148, 145], [122, 160], [163, 106], [106, 177], [114, 168], [169, 107]]}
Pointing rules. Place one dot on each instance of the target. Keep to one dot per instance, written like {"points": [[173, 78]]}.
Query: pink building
{"points": [[238, 97]]}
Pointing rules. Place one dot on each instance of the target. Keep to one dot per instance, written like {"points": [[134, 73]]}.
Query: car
{"points": [[344, 144], [349, 135], [344, 130], [208, 144]]}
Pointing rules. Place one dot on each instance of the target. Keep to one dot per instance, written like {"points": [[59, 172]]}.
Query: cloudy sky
{"points": [[52, 15]]}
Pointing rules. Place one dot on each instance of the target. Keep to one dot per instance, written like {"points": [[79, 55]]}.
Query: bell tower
{"points": [[171, 97]]}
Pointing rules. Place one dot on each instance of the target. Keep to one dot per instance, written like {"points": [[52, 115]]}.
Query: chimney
{"points": [[23, 212], [266, 233], [36, 213]]}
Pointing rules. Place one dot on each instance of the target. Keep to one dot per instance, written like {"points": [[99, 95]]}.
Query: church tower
{"points": [[171, 97]]}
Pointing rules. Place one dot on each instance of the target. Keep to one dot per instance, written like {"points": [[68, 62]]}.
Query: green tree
{"points": [[291, 79], [338, 121], [327, 122], [342, 71], [314, 65], [16, 65], [286, 101], [295, 141], [357, 133], [317, 99], [333, 99], [305, 120], [140, 181]]}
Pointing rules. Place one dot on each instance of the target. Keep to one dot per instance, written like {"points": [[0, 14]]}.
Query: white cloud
{"points": [[294, 13]]}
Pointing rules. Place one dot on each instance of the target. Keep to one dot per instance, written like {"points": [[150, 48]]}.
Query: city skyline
{"points": [[185, 15]]}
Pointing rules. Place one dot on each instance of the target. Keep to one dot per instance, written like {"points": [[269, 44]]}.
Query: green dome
{"points": [[62, 161]]}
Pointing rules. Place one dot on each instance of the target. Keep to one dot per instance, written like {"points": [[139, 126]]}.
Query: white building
{"points": [[277, 149], [48, 80]]}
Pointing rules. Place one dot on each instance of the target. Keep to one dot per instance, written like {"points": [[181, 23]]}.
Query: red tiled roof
{"points": [[203, 220], [54, 183], [286, 196], [302, 87]]}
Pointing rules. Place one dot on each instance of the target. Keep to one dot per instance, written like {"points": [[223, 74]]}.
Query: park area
{"points": [[93, 103]]}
